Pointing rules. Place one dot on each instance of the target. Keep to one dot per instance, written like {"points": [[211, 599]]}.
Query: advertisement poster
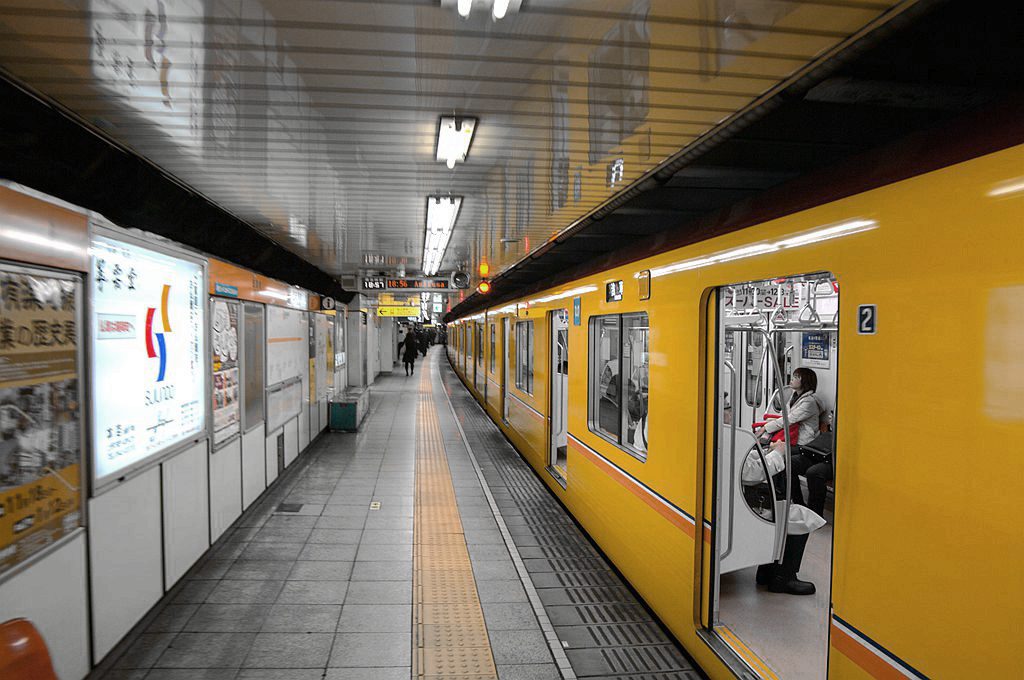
{"points": [[287, 344], [40, 414], [149, 353], [226, 409], [814, 352], [322, 327]]}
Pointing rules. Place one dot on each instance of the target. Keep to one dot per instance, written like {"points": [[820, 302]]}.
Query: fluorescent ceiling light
{"points": [[500, 9], [442, 211], [454, 135], [815, 236]]}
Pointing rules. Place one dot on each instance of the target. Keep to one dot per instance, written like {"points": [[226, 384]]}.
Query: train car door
{"points": [[506, 330], [559, 391], [769, 581]]}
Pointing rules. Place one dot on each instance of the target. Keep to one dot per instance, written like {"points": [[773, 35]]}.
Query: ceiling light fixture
{"points": [[442, 211], [499, 8], [454, 137]]}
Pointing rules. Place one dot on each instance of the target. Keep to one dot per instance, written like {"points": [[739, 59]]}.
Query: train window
{"points": [[618, 406], [478, 372], [524, 356], [492, 347]]}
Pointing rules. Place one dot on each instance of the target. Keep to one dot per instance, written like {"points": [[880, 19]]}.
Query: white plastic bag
{"points": [[752, 471], [803, 520]]}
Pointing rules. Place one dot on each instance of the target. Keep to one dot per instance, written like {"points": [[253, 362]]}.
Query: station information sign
{"points": [[373, 283], [402, 311], [149, 358]]}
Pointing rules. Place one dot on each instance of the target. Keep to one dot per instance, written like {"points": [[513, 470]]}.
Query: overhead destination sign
{"points": [[401, 311], [417, 284]]}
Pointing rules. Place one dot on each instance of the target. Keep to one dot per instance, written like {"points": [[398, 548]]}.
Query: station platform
{"points": [[422, 546]]}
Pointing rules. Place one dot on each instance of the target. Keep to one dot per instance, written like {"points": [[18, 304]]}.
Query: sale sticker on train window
{"points": [[153, 378]]}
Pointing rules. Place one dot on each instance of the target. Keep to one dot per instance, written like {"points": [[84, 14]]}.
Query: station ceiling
{"points": [[315, 122]]}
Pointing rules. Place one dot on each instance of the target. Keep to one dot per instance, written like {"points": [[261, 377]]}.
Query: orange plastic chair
{"points": [[23, 652]]}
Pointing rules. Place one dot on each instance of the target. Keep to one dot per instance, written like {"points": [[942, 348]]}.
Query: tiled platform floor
{"points": [[312, 583]]}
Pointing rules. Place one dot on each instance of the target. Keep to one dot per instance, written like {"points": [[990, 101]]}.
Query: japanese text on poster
{"points": [[40, 414]]}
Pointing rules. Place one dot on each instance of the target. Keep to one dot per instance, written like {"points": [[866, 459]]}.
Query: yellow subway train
{"points": [[640, 396]]}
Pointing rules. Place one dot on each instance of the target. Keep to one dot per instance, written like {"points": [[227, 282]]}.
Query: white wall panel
{"points": [[323, 416], [302, 429], [225, 487], [291, 441], [271, 455], [61, 616], [254, 466], [186, 488], [125, 557]]}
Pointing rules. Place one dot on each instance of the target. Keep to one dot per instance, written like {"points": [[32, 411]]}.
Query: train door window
{"points": [[776, 364], [481, 377], [493, 353], [524, 356], [559, 391], [619, 380]]}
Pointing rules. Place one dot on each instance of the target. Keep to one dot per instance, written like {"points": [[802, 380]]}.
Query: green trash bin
{"points": [[343, 416]]}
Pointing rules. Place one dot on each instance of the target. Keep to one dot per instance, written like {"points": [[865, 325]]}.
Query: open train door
{"points": [[760, 334]]}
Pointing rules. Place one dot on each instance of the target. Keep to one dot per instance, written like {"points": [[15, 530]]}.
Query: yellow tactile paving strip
{"points": [[450, 634]]}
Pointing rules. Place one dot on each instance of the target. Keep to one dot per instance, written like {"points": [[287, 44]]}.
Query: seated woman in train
{"points": [[805, 409], [805, 413]]}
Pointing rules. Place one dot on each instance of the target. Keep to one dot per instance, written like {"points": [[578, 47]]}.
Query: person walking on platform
{"points": [[423, 342], [409, 352]]}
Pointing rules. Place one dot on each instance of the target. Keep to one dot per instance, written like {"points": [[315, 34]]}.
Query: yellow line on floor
{"points": [[450, 636]]}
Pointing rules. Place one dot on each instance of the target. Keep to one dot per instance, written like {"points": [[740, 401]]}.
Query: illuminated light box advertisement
{"points": [[149, 354]]}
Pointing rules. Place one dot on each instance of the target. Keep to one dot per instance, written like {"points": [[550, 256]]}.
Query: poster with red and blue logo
{"points": [[149, 353]]}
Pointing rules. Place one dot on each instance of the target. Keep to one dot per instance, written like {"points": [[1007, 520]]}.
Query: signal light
{"points": [[485, 269], [484, 288]]}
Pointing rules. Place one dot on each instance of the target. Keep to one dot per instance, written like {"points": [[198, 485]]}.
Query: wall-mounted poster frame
{"points": [[287, 364], [45, 506], [226, 389], [140, 341], [253, 365]]}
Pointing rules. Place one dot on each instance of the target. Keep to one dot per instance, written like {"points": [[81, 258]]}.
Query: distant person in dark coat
{"points": [[424, 343], [409, 352]]}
